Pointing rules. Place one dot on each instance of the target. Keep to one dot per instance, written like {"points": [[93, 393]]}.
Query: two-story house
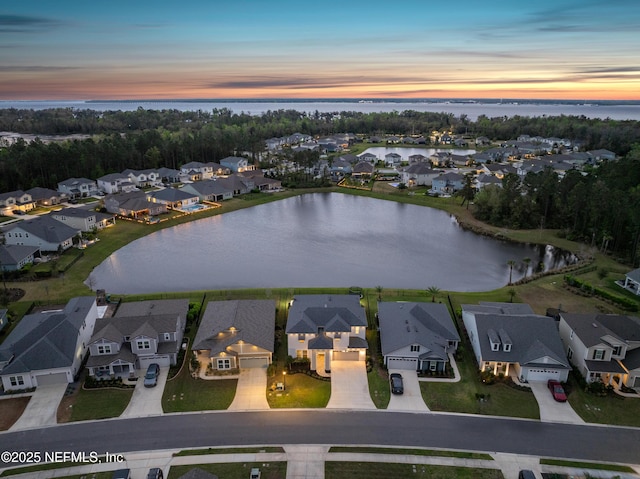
{"points": [[44, 196], [236, 334], [141, 333], [236, 164], [447, 183], [44, 231], [83, 220], [78, 187], [16, 200], [419, 174], [508, 338], [143, 178], [49, 347], [325, 328], [604, 347], [197, 171], [116, 183]]}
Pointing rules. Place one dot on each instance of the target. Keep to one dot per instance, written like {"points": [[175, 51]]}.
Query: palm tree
{"points": [[511, 264], [379, 291], [527, 262], [433, 290], [511, 292]]}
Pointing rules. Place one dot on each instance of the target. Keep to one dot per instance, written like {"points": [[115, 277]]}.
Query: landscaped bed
{"points": [[10, 411]]}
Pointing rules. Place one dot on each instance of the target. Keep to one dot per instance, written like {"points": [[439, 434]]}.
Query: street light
{"points": [[284, 382]]}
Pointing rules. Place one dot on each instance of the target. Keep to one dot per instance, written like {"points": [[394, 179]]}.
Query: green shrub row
{"points": [[625, 303]]}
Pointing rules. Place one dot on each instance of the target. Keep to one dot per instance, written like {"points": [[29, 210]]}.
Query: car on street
{"points": [[397, 385], [155, 473], [557, 391], [151, 377], [121, 474]]}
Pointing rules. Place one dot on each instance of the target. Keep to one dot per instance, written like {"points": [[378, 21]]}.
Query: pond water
{"points": [[319, 240]]}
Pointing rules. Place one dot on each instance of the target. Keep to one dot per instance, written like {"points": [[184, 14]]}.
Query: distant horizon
{"points": [[283, 49]]}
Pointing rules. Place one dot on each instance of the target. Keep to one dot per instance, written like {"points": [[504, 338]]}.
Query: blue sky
{"points": [[332, 49]]}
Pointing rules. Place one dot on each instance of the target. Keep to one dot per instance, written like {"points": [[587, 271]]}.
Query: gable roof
{"points": [[428, 324], [12, 254], [226, 322], [46, 340], [334, 313], [634, 275], [47, 229], [172, 194], [592, 327], [208, 187], [39, 193]]}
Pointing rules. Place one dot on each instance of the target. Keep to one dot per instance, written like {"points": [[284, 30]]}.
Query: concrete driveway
{"points": [[147, 401], [251, 391], [550, 409], [349, 386], [411, 399], [42, 409]]}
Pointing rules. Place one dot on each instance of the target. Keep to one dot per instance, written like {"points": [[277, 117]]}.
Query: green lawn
{"points": [[100, 403], [413, 452], [302, 391], [499, 399], [379, 387], [372, 470], [271, 470], [184, 393]]}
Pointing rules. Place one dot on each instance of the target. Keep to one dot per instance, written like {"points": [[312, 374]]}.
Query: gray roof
{"points": [[498, 308], [47, 229], [177, 307], [11, 255], [46, 340], [76, 181], [632, 359], [592, 327], [39, 193], [322, 341], [74, 212], [334, 313], [172, 194], [634, 275], [422, 168], [226, 322], [427, 324], [116, 328], [114, 177], [208, 187], [532, 337]]}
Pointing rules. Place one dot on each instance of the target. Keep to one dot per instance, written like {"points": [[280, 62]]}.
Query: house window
{"points": [[104, 349], [617, 351], [598, 354], [224, 363], [301, 353], [432, 366], [571, 335], [337, 335], [16, 380], [495, 346], [143, 344], [507, 347], [167, 336], [415, 348], [569, 353], [357, 329], [301, 337]]}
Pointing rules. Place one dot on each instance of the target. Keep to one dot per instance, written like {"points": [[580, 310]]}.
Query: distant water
{"points": [[623, 110]]}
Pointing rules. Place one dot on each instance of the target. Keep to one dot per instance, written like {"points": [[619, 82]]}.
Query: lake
{"points": [[319, 240]]}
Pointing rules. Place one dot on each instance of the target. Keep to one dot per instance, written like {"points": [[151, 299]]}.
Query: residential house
{"points": [[417, 159], [340, 167], [447, 183], [509, 338], [143, 178], [236, 334], [116, 183], [261, 182], [459, 160], [363, 169], [440, 158], [16, 257], [481, 158], [220, 170], [4, 319], [632, 281], [197, 171], [45, 232], [600, 155], [419, 174], [370, 157], [141, 333], [392, 159], [78, 187], [416, 336], [484, 180], [209, 190], [44, 196], [482, 141], [603, 347], [325, 328], [238, 184], [350, 158], [83, 220], [499, 170], [49, 347], [173, 198], [133, 205], [169, 175], [274, 143], [16, 200], [236, 164]]}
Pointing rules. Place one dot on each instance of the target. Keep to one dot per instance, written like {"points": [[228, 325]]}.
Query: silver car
{"points": [[151, 377]]}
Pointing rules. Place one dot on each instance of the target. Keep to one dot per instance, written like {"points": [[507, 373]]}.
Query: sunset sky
{"points": [[136, 49]]}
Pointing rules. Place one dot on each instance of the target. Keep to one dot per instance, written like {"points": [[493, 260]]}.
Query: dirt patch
{"points": [[11, 295], [11, 410]]}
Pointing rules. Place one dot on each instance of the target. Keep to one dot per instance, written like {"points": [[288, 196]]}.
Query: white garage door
{"points": [[254, 363], [162, 361], [346, 356], [46, 379], [543, 374], [402, 363]]}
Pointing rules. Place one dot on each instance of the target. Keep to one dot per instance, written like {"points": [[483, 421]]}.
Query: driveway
{"points": [[349, 386], [42, 409], [550, 409], [147, 401], [251, 391], [411, 399]]}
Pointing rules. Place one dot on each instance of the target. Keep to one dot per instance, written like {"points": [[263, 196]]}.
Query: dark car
{"points": [[526, 474], [151, 377], [121, 474], [155, 473], [557, 391], [397, 386]]}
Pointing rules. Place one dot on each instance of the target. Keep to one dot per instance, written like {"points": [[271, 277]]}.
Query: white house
{"points": [[83, 220], [78, 187], [48, 347], [325, 328]]}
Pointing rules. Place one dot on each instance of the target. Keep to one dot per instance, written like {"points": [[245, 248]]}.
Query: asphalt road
{"points": [[448, 431]]}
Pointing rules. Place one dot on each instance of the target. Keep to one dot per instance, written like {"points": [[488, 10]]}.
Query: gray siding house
{"points": [[45, 232]]}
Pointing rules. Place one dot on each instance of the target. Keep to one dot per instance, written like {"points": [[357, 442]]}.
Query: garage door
{"points": [[346, 356], [162, 361], [402, 363], [542, 374], [254, 362], [46, 379]]}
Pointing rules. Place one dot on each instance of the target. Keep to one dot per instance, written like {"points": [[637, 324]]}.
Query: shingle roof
{"points": [[11, 255], [592, 327], [634, 275], [226, 322], [172, 194], [335, 313], [47, 229]]}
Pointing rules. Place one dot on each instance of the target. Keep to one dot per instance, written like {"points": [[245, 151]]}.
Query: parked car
{"points": [[557, 391], [151, 377], [397, 385], [155, 473], [255, 473], [526, 474], [121, 474]]}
